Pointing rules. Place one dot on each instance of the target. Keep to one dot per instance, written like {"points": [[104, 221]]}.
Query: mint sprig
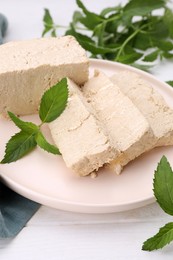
{"points": [[53, 103], [163, 191], [115, 33]]}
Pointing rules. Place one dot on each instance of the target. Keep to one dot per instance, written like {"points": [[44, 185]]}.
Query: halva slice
{"points": [[78, 135], [126, 127], [28, 68], [151, 104]]}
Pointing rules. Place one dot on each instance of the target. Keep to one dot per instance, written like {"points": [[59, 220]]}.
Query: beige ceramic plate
{"points": [[44, 178]]}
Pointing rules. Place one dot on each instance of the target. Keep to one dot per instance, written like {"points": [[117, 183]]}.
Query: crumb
{"points": [[93, 175]]}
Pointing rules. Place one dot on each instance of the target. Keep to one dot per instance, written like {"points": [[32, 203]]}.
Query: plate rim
{"points": [[73, 206]]}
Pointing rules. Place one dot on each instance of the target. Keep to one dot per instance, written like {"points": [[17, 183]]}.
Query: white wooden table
{"points": [[54, 234]]}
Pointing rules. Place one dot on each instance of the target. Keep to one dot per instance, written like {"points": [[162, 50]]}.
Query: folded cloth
{"points": [[15, 210]]}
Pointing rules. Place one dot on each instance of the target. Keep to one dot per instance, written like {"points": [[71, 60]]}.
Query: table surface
{"points": [[54, 234]]}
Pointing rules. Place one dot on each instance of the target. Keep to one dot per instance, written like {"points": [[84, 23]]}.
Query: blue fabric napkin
{"points": [[15, 210]]}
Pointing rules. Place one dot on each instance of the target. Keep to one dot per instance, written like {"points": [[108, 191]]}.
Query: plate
{"points": [[44, 178]]}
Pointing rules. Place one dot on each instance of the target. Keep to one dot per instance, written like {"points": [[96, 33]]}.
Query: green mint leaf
{"points": [[42, 142], [158, 30], [111, 10], [97, 49], [129, 57], [141, 8], [91, 19], [170, 82], [99, 32], [46, 30], [161, 239], [167, 55], [151, 57], [53, 33], [164, 45], [54, 101], [47, 19], [143, 42], [48, 22], [76, 17], [19, 145], [163, 185], [168, 20], [142, 66], [27, 127], [90, 45], [79, 37]]}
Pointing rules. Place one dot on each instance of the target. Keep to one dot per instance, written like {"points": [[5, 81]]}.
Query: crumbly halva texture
{"points": [[78, 135], [28, 68], [151, 104], [126, 127]]}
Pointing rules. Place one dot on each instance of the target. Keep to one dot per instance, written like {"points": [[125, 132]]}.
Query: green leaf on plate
{"points": [[19, 145], [54, 101], [42, 142], [27, 127]]}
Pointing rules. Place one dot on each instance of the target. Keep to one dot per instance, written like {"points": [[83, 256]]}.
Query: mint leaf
{"points": [[161, 239], [151, 57], [41, 141], [167, 55], [163, 185], [141, 7], [76, 17], [163, 191], [91, 19], [54, 101], [129, 57], [19, 145], [48, 22], [79, 37], [164, 45], [158, 30], [97, 49], [27, 127], [142, 42], [109, 10], [168, 20], [47, 17], [170, 82]]}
